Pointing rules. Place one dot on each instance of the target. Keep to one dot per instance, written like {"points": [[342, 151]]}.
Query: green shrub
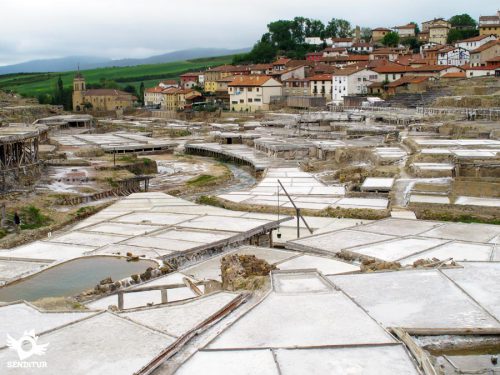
{"points": [[32, 218]]}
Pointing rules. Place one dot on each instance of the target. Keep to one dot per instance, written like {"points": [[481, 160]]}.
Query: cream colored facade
{"points": [[252, 93], [153, 96], [439, 34], [99, 99], [321, 85]]}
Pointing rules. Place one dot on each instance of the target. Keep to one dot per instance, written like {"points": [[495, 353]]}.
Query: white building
{"points": [[168, 84], [321, 85], [340, 42], [153, 96], [351, 81], [406, 31], [314, 41], [475, 42], [252, 93], [456, 56], [361, 48], [481, 71]]}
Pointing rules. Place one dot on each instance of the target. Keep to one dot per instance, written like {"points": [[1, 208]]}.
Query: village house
{"points": [[407, 84], [423, 37], [340, 42], [261, 69], [215, 74], [351, 81], [344, 60], [490, 25], [449, 55], [406, 31], [438, 29], [430, 53], [153, 96], [481, 71], [189, 80], [314, 56], [295, 72], [334, 51], [296, 87], [280, 64], [361, 48], [495, 61], [434, 71], [390, 72], [99, 99], [481, 55], [390, 54], [166, 84], [252, 93], [475, 42], [379, 33], [313, 40], [321, 85], [176, 99], [222, 94]]}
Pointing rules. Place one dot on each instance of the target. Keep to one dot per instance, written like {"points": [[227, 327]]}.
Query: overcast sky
{"points": [[33, 29]]}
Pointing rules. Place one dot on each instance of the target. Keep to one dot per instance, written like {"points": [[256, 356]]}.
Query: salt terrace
{"points": [[320, 315], [116, 142], [305, 190], [155, 224], [407, 240]]}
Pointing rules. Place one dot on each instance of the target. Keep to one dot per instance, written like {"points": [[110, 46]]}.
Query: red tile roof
{"points": [[348, 71], [106, 92], [408, 80], [321, 77], [473, 39], [454, 75], [408, 26], [255, 80], [486, 46]]}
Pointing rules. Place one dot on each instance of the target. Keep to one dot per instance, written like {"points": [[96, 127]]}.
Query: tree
{"points": [[314, 28], [366, 34], [391, 39], [417, 29], [338, 28], [130, 89], [58, 96], [463, 21], [141, 93], [411, 42], [461, 34]]}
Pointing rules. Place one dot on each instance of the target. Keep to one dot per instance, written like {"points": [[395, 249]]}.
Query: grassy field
{"points": [[34, 84]]}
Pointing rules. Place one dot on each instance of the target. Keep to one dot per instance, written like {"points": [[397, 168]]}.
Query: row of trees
{"points": [[288, 37]]}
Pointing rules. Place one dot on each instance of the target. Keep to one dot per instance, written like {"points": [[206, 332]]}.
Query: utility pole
{"points": [[297, 211]]}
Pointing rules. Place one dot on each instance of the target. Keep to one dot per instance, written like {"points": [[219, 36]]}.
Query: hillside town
{"points": [[345, 68], [322, 205]]}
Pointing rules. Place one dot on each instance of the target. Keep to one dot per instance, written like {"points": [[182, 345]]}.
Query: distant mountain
{"points": [[91, 62]]}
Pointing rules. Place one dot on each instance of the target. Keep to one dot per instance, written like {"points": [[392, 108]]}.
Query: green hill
{"points": [[35, 84]]}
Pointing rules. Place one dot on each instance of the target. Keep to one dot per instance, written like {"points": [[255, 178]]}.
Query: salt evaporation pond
{"points": [[72, 277]]}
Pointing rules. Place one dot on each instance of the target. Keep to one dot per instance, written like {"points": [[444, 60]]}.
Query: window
{"points": [[250, 100], [256, 100], [249, 89], [242, 101], [258, 89], [234, 102]]}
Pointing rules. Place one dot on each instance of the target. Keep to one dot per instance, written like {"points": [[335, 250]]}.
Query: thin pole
{"points": [[298, 222], [296, 208]]}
